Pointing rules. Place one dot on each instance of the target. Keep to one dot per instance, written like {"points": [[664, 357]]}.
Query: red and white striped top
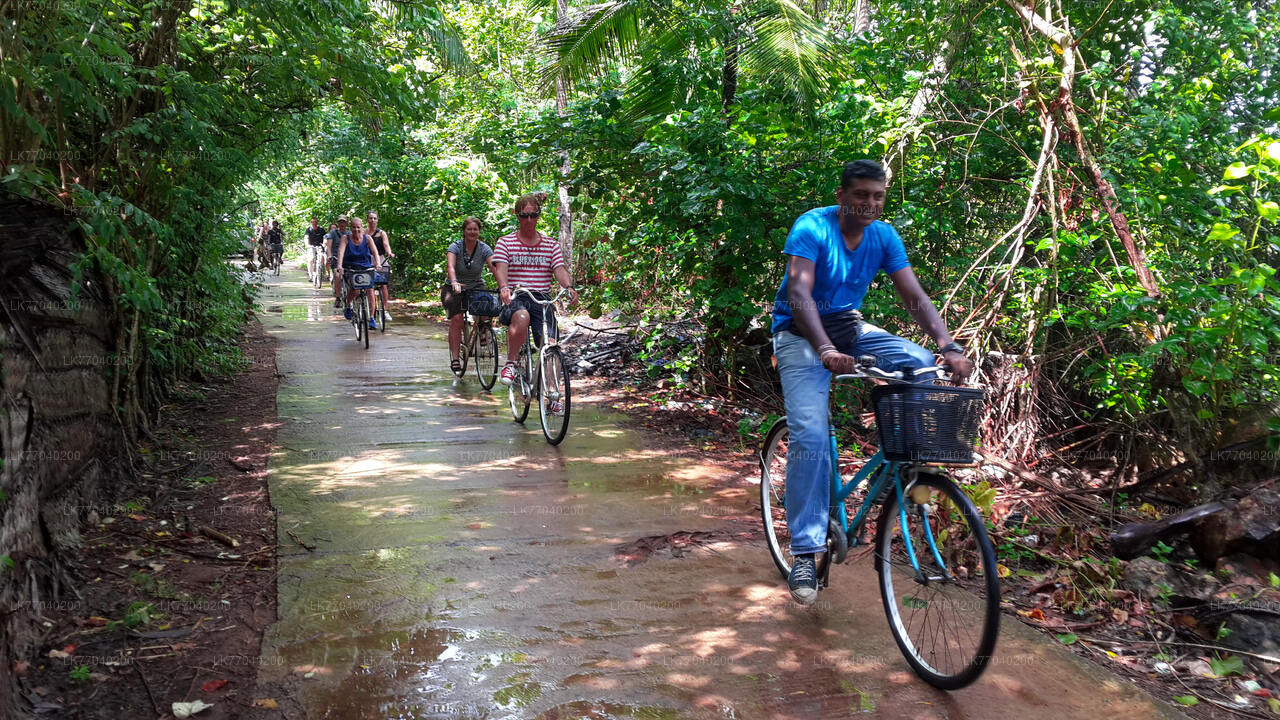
{"points": [[529, 267]]}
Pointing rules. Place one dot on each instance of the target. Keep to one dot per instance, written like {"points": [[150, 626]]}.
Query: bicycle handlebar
{"points": [[516, 289], [865, 368]]}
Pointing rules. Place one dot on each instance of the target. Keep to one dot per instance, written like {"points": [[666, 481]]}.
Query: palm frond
{"points": [[788, 47], [426, 19], [589, 39], [655, 88]]}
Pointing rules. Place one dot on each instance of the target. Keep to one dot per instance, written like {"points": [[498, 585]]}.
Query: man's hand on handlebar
{"points": [[504, 295], [837, 363], [457, 288], [961, 366], [573, 296]]}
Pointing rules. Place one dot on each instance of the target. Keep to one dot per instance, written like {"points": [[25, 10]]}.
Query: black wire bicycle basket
{"points": [[928, 423]]}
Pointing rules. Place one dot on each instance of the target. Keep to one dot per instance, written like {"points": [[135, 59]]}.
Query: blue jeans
{"points": [[805, 387]]}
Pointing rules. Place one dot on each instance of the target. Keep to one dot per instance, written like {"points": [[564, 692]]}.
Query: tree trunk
{"points": [[59, 437], [729, 75], [566, 167]]}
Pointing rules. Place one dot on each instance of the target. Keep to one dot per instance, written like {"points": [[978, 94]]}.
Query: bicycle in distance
{"points": [[541, 373], [935, 562], [320, 275], [479, 339]]}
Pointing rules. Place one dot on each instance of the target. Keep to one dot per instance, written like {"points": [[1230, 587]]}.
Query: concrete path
{"points": [[465, 569]]}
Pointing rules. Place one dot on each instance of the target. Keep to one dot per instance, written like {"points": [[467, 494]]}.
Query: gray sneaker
{"points": [[803, 580]]}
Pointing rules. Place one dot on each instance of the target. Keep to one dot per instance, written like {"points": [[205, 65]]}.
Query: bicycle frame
{"points": [[885, 472]]}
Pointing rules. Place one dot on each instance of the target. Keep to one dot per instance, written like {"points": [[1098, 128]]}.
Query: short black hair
{"points": [[861, 170]]}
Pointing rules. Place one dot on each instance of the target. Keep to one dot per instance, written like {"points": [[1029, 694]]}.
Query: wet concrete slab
{"points": [[464, 569]]}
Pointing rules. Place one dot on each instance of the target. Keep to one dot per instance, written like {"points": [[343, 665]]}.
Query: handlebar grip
{"points": [[867, 360]]}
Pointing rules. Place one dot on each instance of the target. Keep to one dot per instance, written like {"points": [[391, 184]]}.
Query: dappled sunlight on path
{"points": [[464, 568]]}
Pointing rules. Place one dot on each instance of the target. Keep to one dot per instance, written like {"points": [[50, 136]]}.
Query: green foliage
{"points": [[1161, 552], [136, 614], [1227, 666], [144, 122], [697, 132], [80, 674]]}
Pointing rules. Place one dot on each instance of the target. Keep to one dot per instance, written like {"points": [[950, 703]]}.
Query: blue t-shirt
{"points": [[841, 277]]}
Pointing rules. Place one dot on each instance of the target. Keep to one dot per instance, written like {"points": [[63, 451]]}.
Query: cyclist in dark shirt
{"points": [[275, 237], [315, 249]]}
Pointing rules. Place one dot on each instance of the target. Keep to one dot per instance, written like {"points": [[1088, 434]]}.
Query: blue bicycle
{"points": [[937, 567]]}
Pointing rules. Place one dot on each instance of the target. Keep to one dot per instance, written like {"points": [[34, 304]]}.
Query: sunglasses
{"points": [[527, 215]]}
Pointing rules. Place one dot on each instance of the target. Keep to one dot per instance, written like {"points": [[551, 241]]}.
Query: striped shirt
{"points": [[529, 267]]}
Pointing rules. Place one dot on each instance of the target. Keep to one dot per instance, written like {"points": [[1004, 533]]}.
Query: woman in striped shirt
{"points": [[529, 259]]}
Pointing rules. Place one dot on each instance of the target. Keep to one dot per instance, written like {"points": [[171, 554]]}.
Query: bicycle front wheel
{"points": [[382, 313], [364, 319], [943, 609], [773, 495], [553, 395], [355, 319], [487, 356], [520, 392]]}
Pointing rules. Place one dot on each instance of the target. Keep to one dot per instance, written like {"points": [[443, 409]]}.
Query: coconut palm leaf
{"points": [[788, 48]]}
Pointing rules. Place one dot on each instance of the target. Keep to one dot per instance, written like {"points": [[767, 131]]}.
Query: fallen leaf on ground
{"points": [[1201, 668], [59, 655], [187, 709], [182, 646], [213, 685], [266, 703]]}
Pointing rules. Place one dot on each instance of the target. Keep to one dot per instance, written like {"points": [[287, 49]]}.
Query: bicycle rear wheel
{"points": [[553, 395], [945, 616], [773, 494], [382, 312], [486, 355], [520, 392]]}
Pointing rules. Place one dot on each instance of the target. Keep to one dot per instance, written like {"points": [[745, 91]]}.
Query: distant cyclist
{"points": [[833, 255], [275, 239], [465, 262], [529, 259], [315, 249], [357, 254], [333, 244], [382, 241]]}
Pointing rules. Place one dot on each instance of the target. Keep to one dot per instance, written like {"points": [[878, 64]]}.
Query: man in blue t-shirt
{"points": [[833, 255]]}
